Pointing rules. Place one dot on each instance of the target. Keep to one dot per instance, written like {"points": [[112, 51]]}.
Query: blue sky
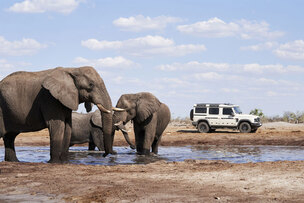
{"points": [[249, 53]]}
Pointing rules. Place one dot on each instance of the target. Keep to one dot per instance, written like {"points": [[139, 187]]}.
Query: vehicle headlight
{"points": [[257, 120]]}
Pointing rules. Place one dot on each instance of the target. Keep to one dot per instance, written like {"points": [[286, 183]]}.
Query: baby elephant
{"points": [[87, 128]]}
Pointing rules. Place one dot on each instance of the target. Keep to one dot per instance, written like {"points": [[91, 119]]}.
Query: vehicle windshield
{"points": [[237, 110]]}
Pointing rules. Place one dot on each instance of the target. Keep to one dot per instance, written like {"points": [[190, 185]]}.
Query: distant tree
{"points": [[299, 116], [288, 116], [257, 112], [292, 117]]}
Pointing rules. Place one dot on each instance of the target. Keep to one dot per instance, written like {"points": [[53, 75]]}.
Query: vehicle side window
{"points": [[227, 111], [214, 111], [200, 110]]}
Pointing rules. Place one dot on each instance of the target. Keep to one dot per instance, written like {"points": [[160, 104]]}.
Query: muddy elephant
{"points": [[150, 118], [87, 128], [31, 101]]}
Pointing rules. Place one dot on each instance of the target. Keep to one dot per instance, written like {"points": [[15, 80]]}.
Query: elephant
{"points": [[32, 101], [88, 128], [150, 118]]}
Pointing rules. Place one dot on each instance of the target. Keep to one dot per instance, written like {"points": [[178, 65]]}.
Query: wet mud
{"points": [[255, 175]]}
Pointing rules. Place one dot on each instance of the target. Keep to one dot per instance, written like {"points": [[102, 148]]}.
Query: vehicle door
{"points": [[213, 117], [227, 118]]}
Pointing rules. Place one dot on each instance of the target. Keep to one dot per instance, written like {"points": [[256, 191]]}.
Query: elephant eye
{"points": [[91, 85]]}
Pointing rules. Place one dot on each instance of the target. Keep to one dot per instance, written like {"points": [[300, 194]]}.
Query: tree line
{"points": [[288, 116]]}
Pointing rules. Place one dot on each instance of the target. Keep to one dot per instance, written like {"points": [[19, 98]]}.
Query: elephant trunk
{"points": [[107, 122], [107, 132], [126, 135]]}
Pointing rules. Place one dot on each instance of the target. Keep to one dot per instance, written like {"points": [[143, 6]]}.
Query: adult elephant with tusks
{"points": [[150, 118], [31, 101]]}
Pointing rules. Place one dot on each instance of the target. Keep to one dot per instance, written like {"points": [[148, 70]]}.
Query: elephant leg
{"points": [[92, 145], [57, 130], [150, 132], [139, 138], [9, 144], [66, 139], [149, 137], [155, 144], [96, 139]]}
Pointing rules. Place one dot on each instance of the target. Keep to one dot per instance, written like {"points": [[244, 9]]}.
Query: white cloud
{"points": [[17, 48], [260, 47], [7, 67], [257, 30], [141, 23], [194, 66], [230, 90], [108, 62], [208, 76], [41, 6], [145, 46], [272, 68], [217, 28], [291, 50], [214, 27], [267, 81], [257, 68]]}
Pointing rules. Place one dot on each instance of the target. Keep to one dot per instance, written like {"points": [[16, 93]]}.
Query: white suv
{"points": [[208, 117]]}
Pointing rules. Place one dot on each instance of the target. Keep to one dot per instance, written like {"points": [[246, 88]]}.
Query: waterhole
{"points": [[233, 154]]}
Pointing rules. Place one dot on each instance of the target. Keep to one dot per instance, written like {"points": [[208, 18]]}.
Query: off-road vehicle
{"points": [[207, 117]]}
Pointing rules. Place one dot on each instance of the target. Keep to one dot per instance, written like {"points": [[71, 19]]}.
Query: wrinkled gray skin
{"points": [[31, 101], [87, 128], [150, 118]]}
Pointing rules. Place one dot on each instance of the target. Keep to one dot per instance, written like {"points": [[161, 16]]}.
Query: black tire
{"points": [[191, 115], [245, 127], [203, 127]]}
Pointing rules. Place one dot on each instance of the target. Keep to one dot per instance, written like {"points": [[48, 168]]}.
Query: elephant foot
{"points": [[11, 159], [144, 152], [55, 161], [113, 152], [10, 156]]}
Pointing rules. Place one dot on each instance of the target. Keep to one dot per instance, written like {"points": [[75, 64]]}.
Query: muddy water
{"points": [[234, 154]]}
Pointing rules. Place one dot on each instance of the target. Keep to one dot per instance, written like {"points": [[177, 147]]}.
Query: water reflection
{"points": [[233, 153]]}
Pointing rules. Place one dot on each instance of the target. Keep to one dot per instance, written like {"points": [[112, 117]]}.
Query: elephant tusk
{"points": [[103, 109], [118, 109], [118, 124], [123, 130]]}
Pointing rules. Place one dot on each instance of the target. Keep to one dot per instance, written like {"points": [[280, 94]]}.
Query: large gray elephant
{"points": [[150, 118], [31, 101], [87, 128]]}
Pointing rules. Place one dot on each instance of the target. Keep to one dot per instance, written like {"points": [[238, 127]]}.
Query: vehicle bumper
{"points": [[256, 125]]}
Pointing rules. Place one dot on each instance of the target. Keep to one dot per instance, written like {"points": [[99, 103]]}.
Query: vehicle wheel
{"points": [[203, 127], [245, 127]]}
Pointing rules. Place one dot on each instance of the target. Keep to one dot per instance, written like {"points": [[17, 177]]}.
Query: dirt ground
{"points": [[188, 181]]}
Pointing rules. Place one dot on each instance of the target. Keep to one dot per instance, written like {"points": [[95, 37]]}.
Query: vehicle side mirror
{"points": [[232, 114]]}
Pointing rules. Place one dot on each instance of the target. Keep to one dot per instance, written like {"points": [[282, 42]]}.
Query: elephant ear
{"points": [[62, 87], [147, 104], [96, 119]]}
